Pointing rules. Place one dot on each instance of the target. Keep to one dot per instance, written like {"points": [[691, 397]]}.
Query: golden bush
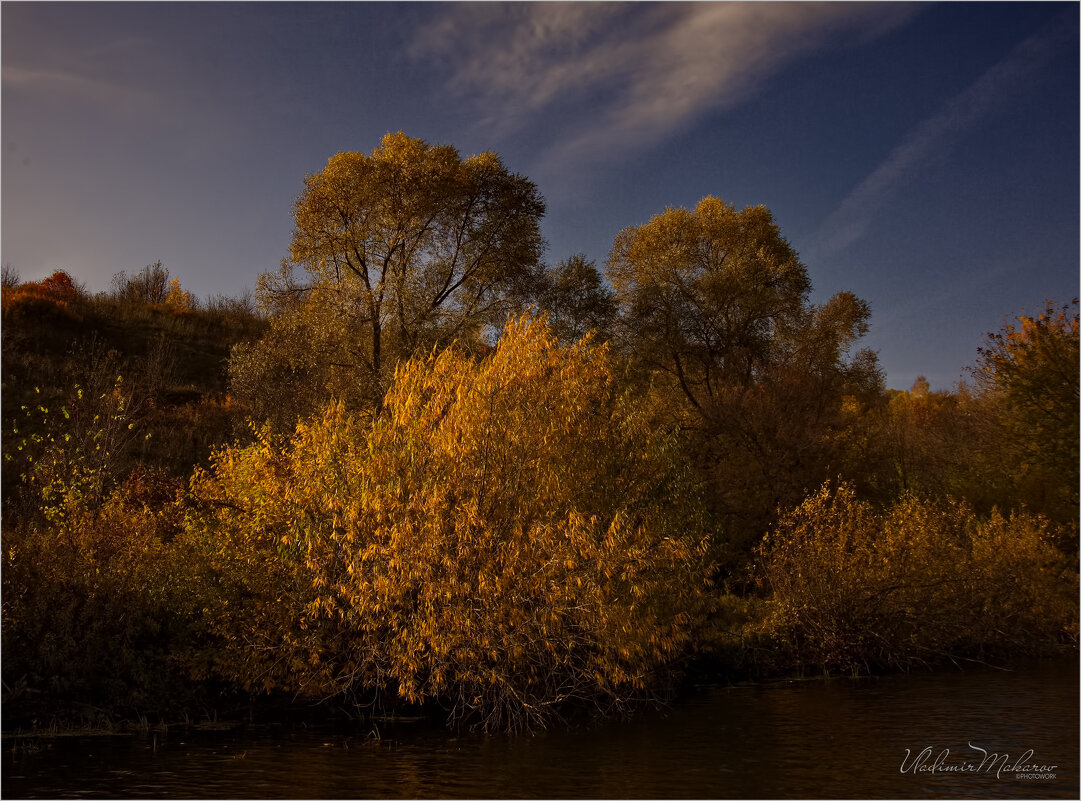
{"points": [[854, 588], [510, 537]]}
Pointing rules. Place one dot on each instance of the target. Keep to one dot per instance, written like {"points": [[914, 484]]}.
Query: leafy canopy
{"points": [[714, 309], [407, 248], [707, 293], [1033, 367]]}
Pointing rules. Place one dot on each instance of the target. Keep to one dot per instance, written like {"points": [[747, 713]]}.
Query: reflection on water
{"points": [[838, 738]]}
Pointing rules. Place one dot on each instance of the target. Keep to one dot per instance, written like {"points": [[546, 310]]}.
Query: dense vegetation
{"points": [[434, 471]]}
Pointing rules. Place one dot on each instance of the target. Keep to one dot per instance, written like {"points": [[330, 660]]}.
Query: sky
{"points": [[923, 156]]}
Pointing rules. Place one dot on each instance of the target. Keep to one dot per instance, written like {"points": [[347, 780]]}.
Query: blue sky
{"points": [[923, 156]]}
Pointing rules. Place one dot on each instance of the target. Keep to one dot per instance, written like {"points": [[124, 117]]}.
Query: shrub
{"points": [[69, 453], [852, 588], [50, 299], [98, 608], [509, 537], [150, 285]]}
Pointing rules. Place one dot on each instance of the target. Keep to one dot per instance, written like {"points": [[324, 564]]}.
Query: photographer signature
{"points": [[926, 761]]}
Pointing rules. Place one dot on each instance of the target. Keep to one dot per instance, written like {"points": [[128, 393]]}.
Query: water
{"points": [[810, 739]]}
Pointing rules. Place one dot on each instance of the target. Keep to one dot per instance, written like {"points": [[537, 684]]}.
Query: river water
{"points": [[837, 738]]}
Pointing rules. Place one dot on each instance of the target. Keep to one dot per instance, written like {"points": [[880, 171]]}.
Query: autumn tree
{"points": [[937, 444], [9, 276], [56, 297], [405, 249], [714, 307], [708, 294], [1031, 367], [510, 537]]}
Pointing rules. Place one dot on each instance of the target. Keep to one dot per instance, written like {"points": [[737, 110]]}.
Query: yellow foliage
{"points": [[509, 535], [1033, 368], [852, 588], [407, 248], [179, 299]]}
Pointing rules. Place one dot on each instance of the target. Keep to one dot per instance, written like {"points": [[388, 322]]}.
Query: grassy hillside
{"points": [[171, 354]]}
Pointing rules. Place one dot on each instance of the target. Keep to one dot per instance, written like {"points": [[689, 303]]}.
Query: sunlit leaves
{"points": [[854, 588], [407, 248], [55, 297], [509, 536], [67, 458]]}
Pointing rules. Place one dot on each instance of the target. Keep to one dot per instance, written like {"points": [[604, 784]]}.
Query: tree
{"points": [[714, 307], [406, 249], [1032, 366], [706, 294], [9, 277], [576, 300], [510, 537], [150, 285], [939, 445]]}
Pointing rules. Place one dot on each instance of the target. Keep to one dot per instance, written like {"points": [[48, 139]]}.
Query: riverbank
{"points": [[256, 713], [520, 536], [835, 738]]}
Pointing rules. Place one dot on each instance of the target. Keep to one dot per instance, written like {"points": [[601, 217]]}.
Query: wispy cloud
{"points": [[71, 84], [932, 137], [626, 76]]}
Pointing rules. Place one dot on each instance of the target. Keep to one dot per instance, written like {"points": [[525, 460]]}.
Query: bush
{"points": [[98, 609], [509, 537], [95, 595], [52, 299], [68, 454], [852, 588]]}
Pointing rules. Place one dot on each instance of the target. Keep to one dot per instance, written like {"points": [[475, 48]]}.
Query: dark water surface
{"points": [[837, 738]]}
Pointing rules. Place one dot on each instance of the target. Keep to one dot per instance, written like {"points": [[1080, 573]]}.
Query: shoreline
{"points": [[270, 713]]}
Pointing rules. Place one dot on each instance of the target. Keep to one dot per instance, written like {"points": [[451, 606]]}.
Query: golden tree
{"points": [[714, 310], [406, 248]]}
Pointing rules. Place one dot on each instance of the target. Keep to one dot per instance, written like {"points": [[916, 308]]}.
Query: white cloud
{"points": [[931, 137], [626, 76]]}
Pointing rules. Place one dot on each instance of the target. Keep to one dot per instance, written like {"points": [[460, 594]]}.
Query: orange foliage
{"points": [[853, 588], [510, 537], [47, 297]]}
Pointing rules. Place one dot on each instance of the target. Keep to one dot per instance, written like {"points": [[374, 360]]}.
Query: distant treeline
{"points": [[433, 470]]}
